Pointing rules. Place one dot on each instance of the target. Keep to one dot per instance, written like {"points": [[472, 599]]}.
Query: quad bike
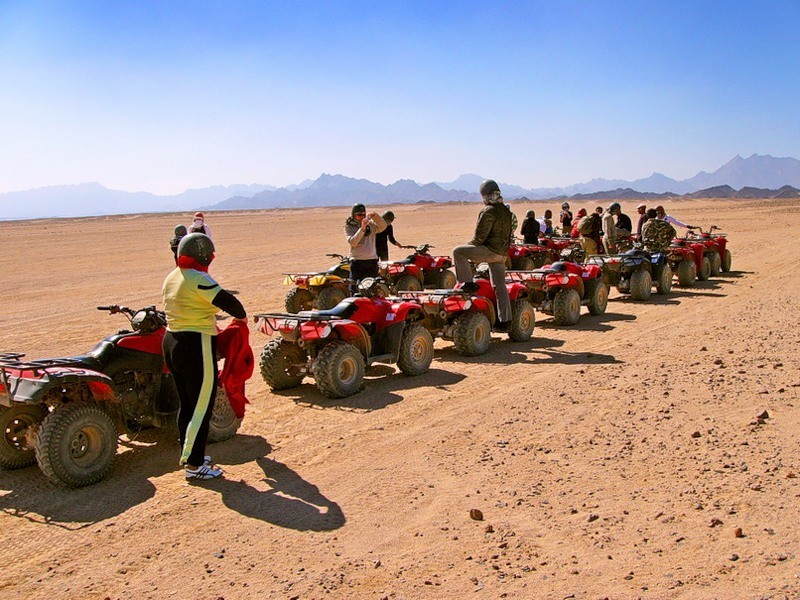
{"points": [[335, 345], [561, 288], [66, 413], [701, 254], [321, 290], [682, 259], [467, 318], [526, 257], [716, 247], [419, 270], [634, 272]]}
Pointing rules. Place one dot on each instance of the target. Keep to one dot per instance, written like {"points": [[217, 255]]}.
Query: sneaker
{"points": [[203, 472], [470, 287]]}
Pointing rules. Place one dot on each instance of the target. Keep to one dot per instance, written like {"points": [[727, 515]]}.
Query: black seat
{"points": [[343, 310]]}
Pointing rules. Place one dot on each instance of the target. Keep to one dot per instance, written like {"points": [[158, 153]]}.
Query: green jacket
{"points": [[493, 229]]}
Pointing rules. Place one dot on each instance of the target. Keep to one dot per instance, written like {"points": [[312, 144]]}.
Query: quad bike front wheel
{"points": [[705, 271], [298, 299], [280, 364], [716, 264], [598, 297], [523, 320], [76, 444], [472, 334], [687, 273], [641, 285], [224, 423], [329, 297], [16, 424], [566, 307], [664, 283], [416, 350], [408, 283], [339, 370]]}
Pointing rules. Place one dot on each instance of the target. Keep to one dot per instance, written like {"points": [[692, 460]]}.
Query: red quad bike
{"points": [[560, 289], [527, 257], [702, 255], [419, 270], [322, 289], [66, 413], [467, 318], [683, 260], [716, 248], [632, 272], [334, 346]]}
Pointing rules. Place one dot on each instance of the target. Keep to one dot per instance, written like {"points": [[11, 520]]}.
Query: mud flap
{"points": [[394, 335]]}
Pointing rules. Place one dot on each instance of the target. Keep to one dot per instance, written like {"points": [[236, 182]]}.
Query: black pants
{"points": [[191, 358], [360, 269]]}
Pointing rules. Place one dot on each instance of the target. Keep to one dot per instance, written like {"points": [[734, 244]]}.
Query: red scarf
{"points": [[187, 262]]}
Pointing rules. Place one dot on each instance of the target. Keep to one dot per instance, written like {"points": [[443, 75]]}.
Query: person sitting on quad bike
{"points": [[530, 228], [490, 245], [662, 214], [180, 232], [575, 232], [383, 238], [657, 234], [191, 301], [360, 230]]}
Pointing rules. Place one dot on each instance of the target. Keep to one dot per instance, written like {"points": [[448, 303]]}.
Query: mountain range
{"points": [[757, 174]]}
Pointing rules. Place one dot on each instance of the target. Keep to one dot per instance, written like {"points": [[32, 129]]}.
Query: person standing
{"points": [[546, 223], [192, 299], [490, 245], [383, 238], [530, 228], [610, 227], [590, 229], [662, 214], [360, 230], [565, 218], [642, 210], [199, 225]]}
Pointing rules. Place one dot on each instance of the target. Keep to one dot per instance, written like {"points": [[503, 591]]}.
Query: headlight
{"points": [[468, 304]]}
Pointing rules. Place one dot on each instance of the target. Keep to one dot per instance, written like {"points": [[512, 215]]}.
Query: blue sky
{"points": [[165, 96]]}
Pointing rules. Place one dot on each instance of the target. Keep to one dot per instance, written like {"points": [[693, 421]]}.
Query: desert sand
{"points": [[613, 459]]}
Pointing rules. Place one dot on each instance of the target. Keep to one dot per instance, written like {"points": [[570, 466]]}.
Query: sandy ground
{"points": [[615, 458]]}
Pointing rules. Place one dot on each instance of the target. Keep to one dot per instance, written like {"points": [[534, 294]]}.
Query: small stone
{"points": [[738, 532], [715, 522], [734, 557], [703, 349], [696, 434], [489, 529], [763, 415], [592, 517], [718, 361], [475, 514]]}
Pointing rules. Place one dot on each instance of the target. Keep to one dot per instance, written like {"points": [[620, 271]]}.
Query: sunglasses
{"points": [[361, 214]]}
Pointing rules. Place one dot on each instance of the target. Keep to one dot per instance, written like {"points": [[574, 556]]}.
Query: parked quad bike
{"points": [[468, 318], [716, 248], [334, 346], [321, 290], [682, 259], [561, 288], [635, 272], [66, 413], [418, 271], [526, 257]]}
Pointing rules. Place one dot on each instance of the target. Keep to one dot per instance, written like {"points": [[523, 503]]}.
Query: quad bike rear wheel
{"points": [[16, 424], [641, 285], [339, 370], [280, 364], [687, 273], [705, 271], [298, 299], [716, 264], [408, 283], [472, 334], [523, 320], [566, 307], [416, 350], [664, 283], [726, 262], [329, 297], [224, 423], [598, 297], [447, 280], [76, 444]]}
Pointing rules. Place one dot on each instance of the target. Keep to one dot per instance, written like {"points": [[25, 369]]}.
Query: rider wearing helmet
{"points": [[565, 218], [530, 228], [192, 299], [490, 245], [383, 238], [180, 232], [199, 225]]}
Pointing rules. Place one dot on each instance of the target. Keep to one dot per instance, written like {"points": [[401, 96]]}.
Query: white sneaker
{"points": [[203, 472]]}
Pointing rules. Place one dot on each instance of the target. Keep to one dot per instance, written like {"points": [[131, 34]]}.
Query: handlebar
{"points": [[337, 256]]}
